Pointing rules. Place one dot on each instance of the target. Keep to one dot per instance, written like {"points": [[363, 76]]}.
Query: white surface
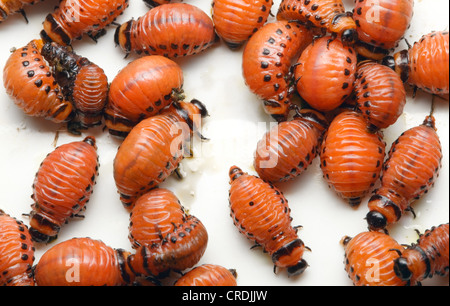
{"points": [[235, 125]]}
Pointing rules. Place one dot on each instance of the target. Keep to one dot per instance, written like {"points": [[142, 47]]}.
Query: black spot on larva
{"points": [[347, 72], [38, 83], [26, 63], [264, 65], [30, 73], [279, 32], [314, 6], [266, 51], [349, 60], [263, 8], [345, 85]]}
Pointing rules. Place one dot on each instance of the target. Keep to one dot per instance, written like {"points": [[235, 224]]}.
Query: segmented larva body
{"points": [[381, 25], [426, 258], [140, 90], [73, 18], [351, 157], [16, 252], [379, 93], [155, 215], [236, 20], [182, 249], [261, 213], [172, 30], [62, 187], [290, 147], [369, 259], [84, 83], [208, 275], [426, 64], [83, 262], [327, 14], [409, 172], [325, 73], [266, 64], [9, 7], [153, 149], [28, 80]]}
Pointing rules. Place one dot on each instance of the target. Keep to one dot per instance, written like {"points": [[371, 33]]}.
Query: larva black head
{"points": [[40, 237], [298, 269], [122, 36], [401, 269], [235, 172], [376, 220], [150, 3], [349, 36]]}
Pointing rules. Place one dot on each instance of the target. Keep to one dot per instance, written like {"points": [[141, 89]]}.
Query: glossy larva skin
{"points": [[153, 150], [140, 90], [62, 187], [83, 262], [28, 80], [261, 213], [381, 25], [16, 252], [171, 30], [208, 275], [327, 14], [155, 215], [290, 147], [369, 259], [266, 64], [429, 63], [74, 18], [236, 20], [325, 73], [351, 157], [409, 172], [379, 93], [426, 258]]}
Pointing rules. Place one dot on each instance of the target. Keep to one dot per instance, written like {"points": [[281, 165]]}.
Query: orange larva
{"points": [[182, 249], [28, 80], [261, 213], [326, 14], [425, 65], [236, 20], [409, 172], [16, 252], [172, 30], [208, 275], [74, 18], [351, 157], [155, 215], [83, 262], [426, 258], [290, 147], [325, 73], [266, 64], [369, 259], [62, 187], [140, 90], [381, 25], [379, 93], [9, 7], [83, 83], [153, 149]]}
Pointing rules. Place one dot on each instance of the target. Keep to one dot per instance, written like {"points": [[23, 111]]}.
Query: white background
{"points": [[215, 78]]}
